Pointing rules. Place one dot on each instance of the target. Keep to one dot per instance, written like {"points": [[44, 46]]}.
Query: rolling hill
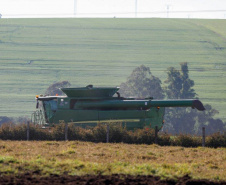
{"points": [[35, 53]]}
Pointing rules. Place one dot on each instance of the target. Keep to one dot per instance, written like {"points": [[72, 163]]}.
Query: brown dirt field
{"points": [[26, 179]]}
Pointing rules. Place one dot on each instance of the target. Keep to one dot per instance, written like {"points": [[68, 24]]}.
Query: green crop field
{"points": [[35, 53]]}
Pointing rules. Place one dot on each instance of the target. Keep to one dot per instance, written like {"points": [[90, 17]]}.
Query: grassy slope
{"points": [[35, 53], [79, 158]]}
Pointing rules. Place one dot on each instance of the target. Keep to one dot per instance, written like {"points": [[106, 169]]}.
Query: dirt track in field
{"points": [[100, 179]]}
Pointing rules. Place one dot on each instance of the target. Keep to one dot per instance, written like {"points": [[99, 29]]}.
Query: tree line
{"points": [[178, 85]]}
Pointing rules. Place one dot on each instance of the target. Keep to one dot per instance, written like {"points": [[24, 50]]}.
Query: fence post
{"points": [[28, 130], [203, 136], [156, 134], [107, 136], [66, 131]]}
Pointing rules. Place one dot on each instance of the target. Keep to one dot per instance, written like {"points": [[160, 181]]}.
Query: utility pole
{"points": [[167, 10], [136, 8], [75, 7]]}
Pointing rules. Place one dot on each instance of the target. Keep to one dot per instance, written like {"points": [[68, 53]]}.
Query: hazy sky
{"points": [[114, 8]]}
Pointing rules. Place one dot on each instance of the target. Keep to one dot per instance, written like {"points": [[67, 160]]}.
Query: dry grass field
{"points": [[44, 158]]}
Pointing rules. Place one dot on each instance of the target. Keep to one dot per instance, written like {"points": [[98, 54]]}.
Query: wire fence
{"points": [[113, 133]]}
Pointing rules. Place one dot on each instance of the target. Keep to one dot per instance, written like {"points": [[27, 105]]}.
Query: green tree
{"points": [[206, 119], [54, 88], [5, 119], [141, 83], [186, 120], [179, 86], [179, 83]]}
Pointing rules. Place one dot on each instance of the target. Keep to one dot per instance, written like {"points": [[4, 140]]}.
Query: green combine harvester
{"points": [[90, 105]]}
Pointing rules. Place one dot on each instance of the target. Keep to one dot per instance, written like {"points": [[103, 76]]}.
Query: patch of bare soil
{"points": [[99, 179]]}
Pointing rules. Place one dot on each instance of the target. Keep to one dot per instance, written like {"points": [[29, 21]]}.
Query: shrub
{"points": [[117, 132], [99, 133], [74, 132], [58, 132], [143, 136], [39, 133], [6, 131], [186, 140], [216, 140], [164, 139], [88, 134]]}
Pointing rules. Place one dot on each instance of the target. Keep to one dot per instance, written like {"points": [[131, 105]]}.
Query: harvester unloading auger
{"points": [[89, 105]]}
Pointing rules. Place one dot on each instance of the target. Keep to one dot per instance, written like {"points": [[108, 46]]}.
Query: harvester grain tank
{"points": [[89, 105]]}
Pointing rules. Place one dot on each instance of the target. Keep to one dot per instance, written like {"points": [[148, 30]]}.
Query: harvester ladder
{"points": [[38, 117]]}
